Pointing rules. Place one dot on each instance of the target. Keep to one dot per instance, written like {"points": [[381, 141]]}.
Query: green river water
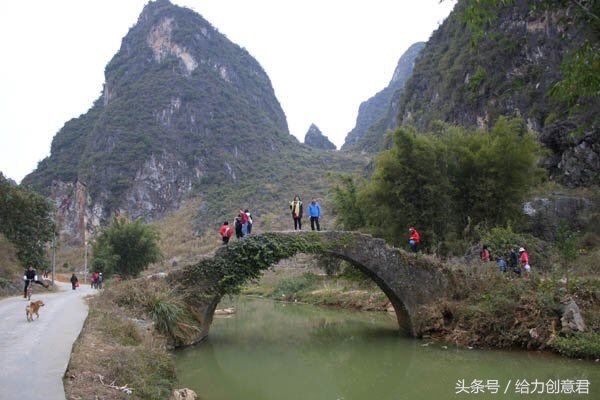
{"points": [[274, 351]]}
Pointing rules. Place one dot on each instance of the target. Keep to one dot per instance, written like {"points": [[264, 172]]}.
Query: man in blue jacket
{"points": [[314, 210]]}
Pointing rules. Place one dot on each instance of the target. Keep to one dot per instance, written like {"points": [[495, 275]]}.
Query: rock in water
{"points": [[184, 394], [571, 320], [315, 138]]}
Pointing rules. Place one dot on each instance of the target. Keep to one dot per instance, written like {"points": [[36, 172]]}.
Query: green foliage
{"points": [[579, 344], [581, 75], [295, 284], [346, 204], [125, 248], [480, 14], [26, 221], [566, 242], [243, 261], [446, 183], [501, 240]]}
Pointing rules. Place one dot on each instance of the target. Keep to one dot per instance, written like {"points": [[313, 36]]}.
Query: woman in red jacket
{"points": [[414, 239], [524, 260]]}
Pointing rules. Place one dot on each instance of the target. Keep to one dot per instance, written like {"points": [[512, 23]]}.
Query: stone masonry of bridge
{"points": [[410, 281]]}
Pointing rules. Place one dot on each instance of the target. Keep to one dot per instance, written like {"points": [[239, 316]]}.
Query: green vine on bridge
{"points": [[243, 261]]}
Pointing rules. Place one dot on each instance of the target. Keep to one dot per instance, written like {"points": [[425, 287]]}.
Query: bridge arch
{"points": [[409, 281]]}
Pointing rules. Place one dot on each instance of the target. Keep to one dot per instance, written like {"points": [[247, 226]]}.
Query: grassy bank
{"points": [[115, 346], [302, 278]]}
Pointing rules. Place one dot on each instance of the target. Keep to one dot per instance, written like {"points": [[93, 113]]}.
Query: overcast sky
{"points": [[323, 57]]}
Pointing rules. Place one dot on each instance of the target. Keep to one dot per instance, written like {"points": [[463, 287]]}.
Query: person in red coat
{"points": [[524, 260], [485, 254], [226, 232], [414, 239]]}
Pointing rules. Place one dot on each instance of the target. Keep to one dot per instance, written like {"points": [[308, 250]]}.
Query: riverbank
{"points": [[487, 309], [133, 324], [114, 348]]}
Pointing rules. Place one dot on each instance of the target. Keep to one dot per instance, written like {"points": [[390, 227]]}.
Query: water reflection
{"points": [[271, 350]]}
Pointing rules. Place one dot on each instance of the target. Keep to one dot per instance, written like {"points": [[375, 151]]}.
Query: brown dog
{"points": [[33, 308]]}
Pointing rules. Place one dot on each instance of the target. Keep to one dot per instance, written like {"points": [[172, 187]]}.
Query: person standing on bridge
{"points": [[414, 239], [238, 228], [250, 221], [314, 211], [226, 232], [296, 208]]}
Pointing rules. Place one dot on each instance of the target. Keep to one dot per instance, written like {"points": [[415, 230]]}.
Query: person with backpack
{"points": [[249, 223], [296, 208], [501, 263], [226, 232], [314, 211], [414, 239]]}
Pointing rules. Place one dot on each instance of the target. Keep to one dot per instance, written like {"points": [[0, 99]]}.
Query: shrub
{"points": [[579, 344], [125, 248], [290, 286]]}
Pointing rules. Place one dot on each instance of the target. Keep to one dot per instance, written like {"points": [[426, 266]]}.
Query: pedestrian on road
{"points": [[74, 281], [296, 208], [226, 232], [314, 210], [30, 277]]}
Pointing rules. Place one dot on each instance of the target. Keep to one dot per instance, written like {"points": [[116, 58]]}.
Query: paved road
{"points": [[34, 355]]}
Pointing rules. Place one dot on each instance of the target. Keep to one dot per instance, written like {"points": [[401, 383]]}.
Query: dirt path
{"points": [[34, 355]]}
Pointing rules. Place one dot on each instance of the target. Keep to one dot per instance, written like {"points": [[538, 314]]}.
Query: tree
{"points": [[126, 248], [346, 204], [566, 242], [445, 183], [26, 221]]}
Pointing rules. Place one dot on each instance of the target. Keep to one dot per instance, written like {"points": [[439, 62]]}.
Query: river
{"points": [[273, 351]]}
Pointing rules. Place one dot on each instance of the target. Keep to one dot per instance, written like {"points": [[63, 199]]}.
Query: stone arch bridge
{"points": [[410, 281]]}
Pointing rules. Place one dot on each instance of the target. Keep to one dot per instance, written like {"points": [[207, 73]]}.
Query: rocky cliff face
{"points": [[182, 106], [315, 138], [510, 68], [379, 113]]}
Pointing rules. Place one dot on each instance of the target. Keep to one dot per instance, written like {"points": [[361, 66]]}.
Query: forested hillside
{"points": [[538, 59]]}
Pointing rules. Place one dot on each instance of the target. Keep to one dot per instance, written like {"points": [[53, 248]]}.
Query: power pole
{"points": [[85, 263], [53, 257]]}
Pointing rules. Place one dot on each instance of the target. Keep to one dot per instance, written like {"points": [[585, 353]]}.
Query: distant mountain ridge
{"points": [[315, 138], [378, 114], [184, 113], [181, 105]]}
